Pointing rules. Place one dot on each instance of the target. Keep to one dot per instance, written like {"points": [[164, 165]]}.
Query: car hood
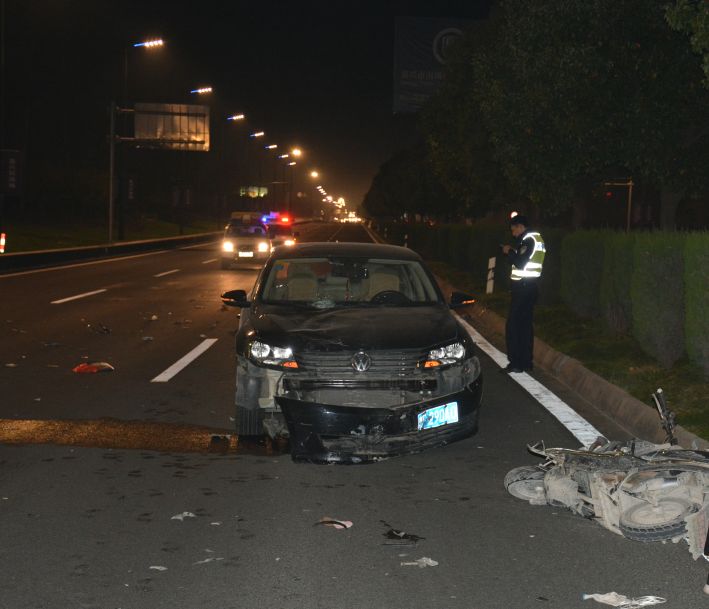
{"points": [[356, 327]]}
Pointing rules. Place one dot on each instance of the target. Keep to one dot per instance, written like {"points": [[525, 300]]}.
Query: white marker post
{"points": [[490, 275]]}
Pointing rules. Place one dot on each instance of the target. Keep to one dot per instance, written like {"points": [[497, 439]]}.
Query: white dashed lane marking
{"points": [[210, 260], [184, 361], [167, 273], [567, 416], [84, 295]]}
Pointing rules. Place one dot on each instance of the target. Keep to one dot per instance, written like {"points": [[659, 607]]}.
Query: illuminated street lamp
{"points": [[296, 152], [258, 134], [283, 156], [314, 174], [292, 163], [236, 117], [149, 44], [201, 90], [271, 147]]}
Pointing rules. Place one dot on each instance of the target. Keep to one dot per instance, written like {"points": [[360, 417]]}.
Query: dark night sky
{"points": [[318, 74]]}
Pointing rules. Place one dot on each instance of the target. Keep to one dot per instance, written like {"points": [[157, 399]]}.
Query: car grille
{"points": [[384, 364], [397, 384]]}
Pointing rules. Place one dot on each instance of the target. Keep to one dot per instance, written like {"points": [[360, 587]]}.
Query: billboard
{"points": [[172, 126], [421, 49]]}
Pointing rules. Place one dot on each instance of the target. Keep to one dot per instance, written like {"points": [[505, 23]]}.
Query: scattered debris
{"points": [[334, 523], [85, 368], [99, 328], [182, 516], [153, 318], [38, 399], [401, 538], [52, 365], [623, 602], [216, 524], [11, 365], [203, 336], [158, 568], [147, 339], [206, 560], [52, 344], [422, 562]]}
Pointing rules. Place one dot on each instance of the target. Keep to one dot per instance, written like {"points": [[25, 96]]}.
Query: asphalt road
{"points": [[89, 520]]}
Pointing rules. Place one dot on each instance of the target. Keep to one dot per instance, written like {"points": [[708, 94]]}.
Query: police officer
{"points": [[527, 258]]}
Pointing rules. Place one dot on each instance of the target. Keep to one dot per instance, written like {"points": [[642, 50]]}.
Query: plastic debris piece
{"points": [[206, 560], [623, 602], [216, 524], [421, 563], [147, 338], [182, 516], [706, 586], [99, 328], [158, 568], [334, 523], [203, 336], [85, 368], [401, 538], [11, 365], [38, 399]]}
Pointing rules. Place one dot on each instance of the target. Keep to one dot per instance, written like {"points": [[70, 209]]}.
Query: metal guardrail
{"points": [[45, 258]]}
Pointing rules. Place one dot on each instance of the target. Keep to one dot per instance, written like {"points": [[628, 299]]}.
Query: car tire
{"points": [[647, 523], [225, 263], [527, 483]]}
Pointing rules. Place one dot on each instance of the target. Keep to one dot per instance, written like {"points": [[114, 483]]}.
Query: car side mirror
{"points": [[236, 298], [461, 299]]}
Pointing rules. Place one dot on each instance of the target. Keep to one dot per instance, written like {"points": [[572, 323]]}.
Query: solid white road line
{"points": [[167, 273], [210, 260], [84, 295], [78, 264], [183, 362], [569, 418]]}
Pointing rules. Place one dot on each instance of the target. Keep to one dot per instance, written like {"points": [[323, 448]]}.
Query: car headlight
{"points": [[449, 354], [263, 246], [228, 246], [269, 355], [289, 242]]}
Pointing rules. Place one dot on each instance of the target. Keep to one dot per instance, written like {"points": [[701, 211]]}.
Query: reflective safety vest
{"points": [[533, 267]]}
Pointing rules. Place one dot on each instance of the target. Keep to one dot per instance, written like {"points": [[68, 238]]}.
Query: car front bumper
{"points": [[342, 434]]}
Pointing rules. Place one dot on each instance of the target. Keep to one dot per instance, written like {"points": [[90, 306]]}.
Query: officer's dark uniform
{"points": [[527, 258]]}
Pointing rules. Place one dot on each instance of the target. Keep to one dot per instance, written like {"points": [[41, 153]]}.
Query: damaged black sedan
{"points": [[351, 350]]}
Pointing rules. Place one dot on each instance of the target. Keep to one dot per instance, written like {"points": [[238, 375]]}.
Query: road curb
{"points": [[640, 419], [637, 417]]}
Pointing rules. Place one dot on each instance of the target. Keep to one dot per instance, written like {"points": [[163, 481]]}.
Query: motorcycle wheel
{"points": [[526, 482], [647, 523]]}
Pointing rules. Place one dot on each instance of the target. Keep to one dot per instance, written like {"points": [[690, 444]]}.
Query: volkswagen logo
{"points": [[361, 361]]}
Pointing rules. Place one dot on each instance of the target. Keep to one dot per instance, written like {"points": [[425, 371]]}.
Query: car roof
{"points": [[346, 249]]}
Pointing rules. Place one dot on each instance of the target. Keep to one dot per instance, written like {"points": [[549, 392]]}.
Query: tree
{"points": [[692, 17], [570, 89]]}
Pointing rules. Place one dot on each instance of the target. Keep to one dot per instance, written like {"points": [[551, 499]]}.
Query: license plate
{"points": [[246, 254], [438, 416]]}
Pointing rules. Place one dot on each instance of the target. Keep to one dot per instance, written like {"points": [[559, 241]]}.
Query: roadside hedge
{"points": [[582, 254], [657, 294], [696, 294], [615, 298]]}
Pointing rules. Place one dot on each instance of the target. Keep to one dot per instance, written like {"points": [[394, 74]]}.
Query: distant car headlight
{"points": [[263, 246], [449, 354], [228, 246], [289, 242], [269, 355]]}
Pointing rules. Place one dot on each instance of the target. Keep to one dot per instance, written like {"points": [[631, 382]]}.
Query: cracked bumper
{"points": [[342, 434]]}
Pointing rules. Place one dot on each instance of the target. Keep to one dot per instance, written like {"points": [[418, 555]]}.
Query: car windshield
{"points": [[280, 230], [245, 230], [330, 282]]}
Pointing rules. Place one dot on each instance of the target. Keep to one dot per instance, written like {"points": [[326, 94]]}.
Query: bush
{"points": [[582, 255], [616, 304], [657, 294], [696, 293]]}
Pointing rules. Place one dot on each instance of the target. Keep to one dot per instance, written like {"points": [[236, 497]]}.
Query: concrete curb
{"points": [[638, 418]]}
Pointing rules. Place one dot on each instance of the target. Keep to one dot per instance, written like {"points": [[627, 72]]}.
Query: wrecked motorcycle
{"points": [[643, 491]]}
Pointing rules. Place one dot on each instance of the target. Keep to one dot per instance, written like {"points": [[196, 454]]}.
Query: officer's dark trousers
{"points": [[519, 330]]}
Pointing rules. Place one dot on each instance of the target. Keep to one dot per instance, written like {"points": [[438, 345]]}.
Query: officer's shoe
{"points": [[510, 368]]}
